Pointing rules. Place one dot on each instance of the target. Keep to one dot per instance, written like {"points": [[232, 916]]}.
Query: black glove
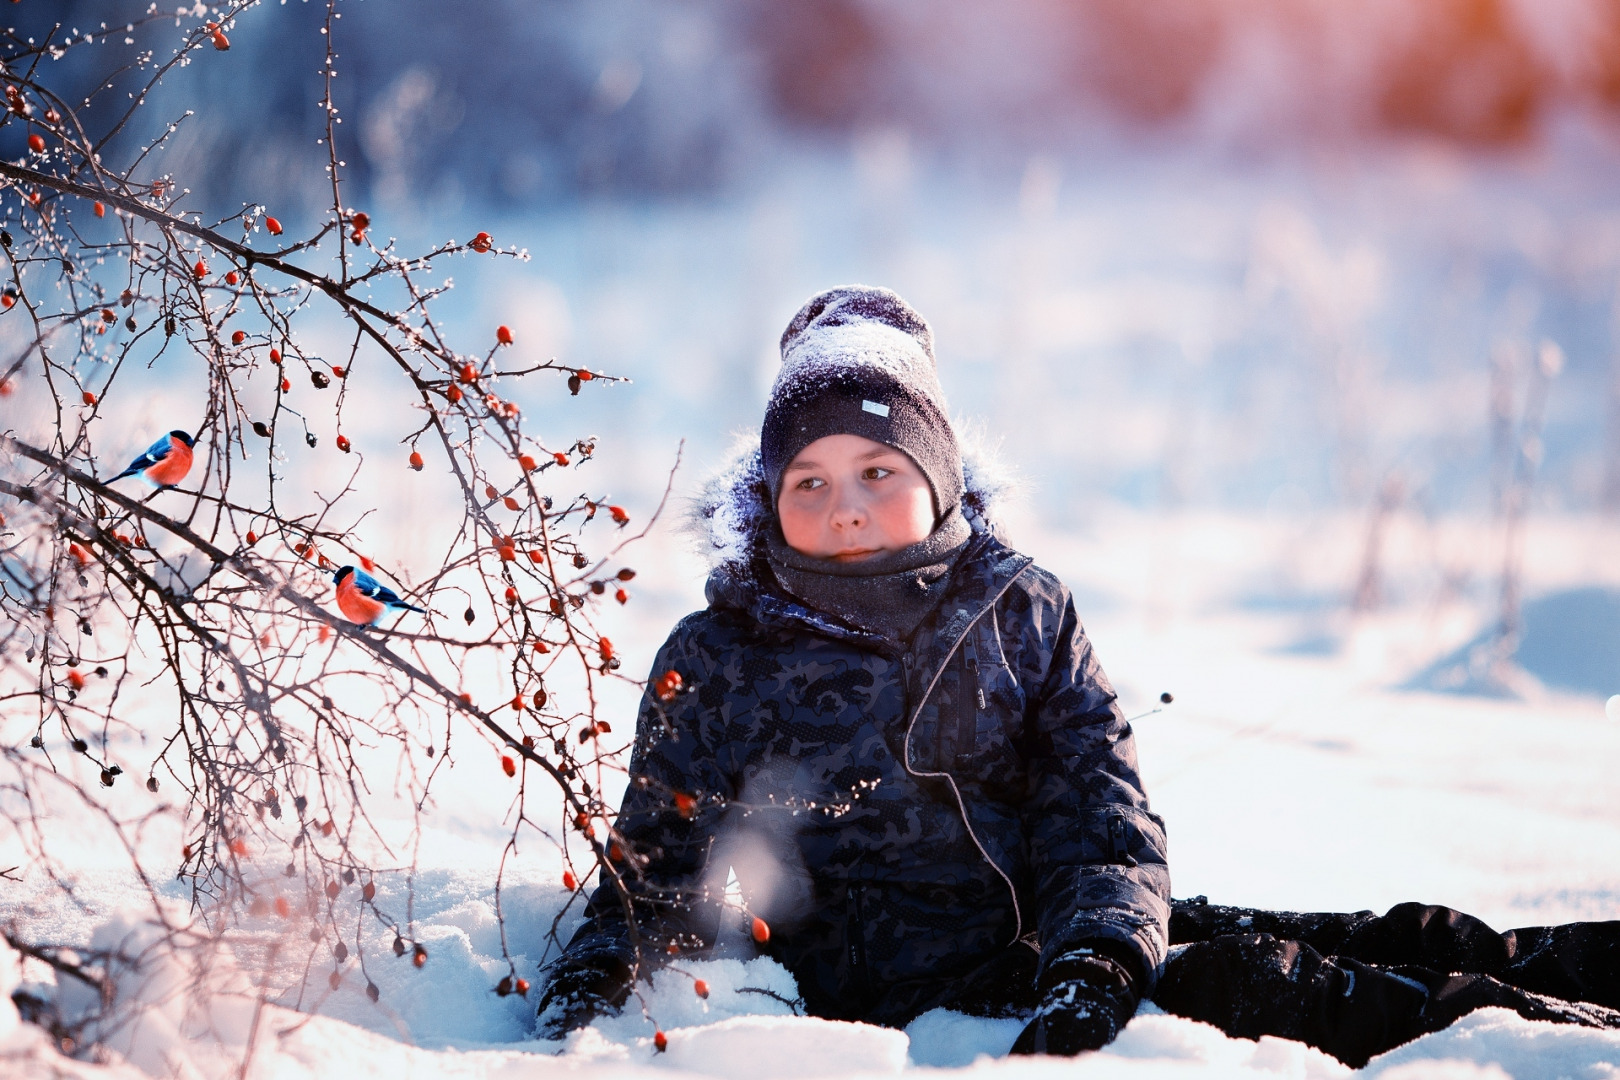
{"points": [[579, 994], [1087, 999]]}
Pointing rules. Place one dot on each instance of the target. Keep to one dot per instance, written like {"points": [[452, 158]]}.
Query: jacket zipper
{"points": [[969, 695], [856, 936]]}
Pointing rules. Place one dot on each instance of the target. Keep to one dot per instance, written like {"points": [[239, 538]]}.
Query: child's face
{"points": [[848, 498]]}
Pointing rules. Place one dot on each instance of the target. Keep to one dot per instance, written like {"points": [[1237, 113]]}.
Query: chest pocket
{"points": [[985, 711]]}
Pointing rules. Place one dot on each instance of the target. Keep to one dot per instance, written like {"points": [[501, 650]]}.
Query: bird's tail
{"points": [[411, 607], [131, 471]]}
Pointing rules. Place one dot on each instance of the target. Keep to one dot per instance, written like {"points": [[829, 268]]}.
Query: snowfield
{"points": [[1296, 768]]}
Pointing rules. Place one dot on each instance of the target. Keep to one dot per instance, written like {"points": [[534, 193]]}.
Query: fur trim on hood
{"points": [[733, 508]]}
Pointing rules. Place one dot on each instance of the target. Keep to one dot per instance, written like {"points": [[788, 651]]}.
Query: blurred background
{"points": [[1298, 319], [1342, 274]]}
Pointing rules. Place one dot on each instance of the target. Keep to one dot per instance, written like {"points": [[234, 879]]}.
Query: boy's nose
{"points": [[849, 515]]}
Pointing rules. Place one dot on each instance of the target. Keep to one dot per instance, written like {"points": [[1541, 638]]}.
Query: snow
{"points": [[1197, 365], [1288, 778]]}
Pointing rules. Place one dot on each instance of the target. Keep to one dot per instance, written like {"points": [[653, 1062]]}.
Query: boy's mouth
{"points": [[855, 555]]}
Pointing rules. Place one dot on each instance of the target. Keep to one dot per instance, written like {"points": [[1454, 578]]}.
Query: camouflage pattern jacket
{"points": [[897, 815]]}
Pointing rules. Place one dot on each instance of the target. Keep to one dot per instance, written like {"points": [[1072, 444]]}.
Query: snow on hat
{"points": [[859, 361]]}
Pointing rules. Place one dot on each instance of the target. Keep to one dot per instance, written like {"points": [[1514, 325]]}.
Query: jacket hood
{"points": [[733, 509]]}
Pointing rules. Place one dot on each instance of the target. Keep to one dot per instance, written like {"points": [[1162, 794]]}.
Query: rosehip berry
{"points": [[238, 337], [201, 269], [36, 143], [416, 461], [508, 766], [232, 278], [100, 210], [89, 398], [221, 42], [700, 988], [569, 881], [343, 443], [761, 932], [503, 334], [272, 226], [481, 242]]}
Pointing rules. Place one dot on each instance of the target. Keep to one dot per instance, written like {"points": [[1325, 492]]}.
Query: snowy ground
{"points": [[1292, 770]]}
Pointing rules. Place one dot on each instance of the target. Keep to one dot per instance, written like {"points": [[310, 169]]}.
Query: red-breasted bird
{"points": [[165, 462], [363, 600]]}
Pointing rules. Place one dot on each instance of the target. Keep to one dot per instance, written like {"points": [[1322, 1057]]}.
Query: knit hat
{"points": [[859, 361]]}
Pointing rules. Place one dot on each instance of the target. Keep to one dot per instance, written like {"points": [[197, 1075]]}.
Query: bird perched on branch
{"points": [[363, 600], [165, 462]]}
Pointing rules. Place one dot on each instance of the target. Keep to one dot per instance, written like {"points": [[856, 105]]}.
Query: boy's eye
{"points": [[875, 472], [810, 483]]}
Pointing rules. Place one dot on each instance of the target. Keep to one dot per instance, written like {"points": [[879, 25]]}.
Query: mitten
{"points": [[577, 995], [1086, 999]]}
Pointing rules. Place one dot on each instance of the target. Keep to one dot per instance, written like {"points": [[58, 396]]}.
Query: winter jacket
{"points": [[897, 814]]}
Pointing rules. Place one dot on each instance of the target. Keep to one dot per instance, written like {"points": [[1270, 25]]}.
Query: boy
{"points": [[896, 732], [898, 736]]}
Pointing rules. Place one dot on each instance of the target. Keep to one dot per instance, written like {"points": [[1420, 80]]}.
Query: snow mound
{"points": [[1569, 640]]}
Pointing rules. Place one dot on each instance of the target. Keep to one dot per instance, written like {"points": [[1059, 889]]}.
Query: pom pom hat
{"points": [[859, 361]]}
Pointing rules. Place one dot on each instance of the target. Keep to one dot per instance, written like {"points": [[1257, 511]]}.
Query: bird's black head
{"points": [[183, 437], [343, 572]]}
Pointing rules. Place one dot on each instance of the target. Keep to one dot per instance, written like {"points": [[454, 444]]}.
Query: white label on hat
{"points": [[875, 407]]}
